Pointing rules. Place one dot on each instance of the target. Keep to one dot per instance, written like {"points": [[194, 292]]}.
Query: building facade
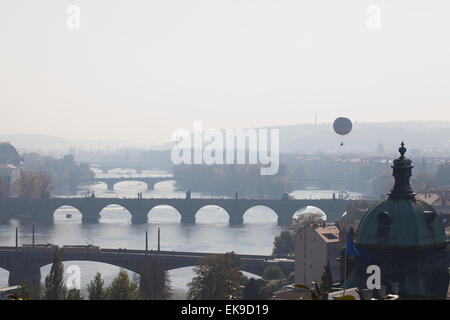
{"points": [[10, 162], [316, 246]]}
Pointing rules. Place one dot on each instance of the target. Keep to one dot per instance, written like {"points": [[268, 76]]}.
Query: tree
{"points": [[4, 189], [96, 288], [381, 184], [32, 185], [291, 278], [122, 288], [55, 288], [74, 294], [245, 179], [65, 172], [423, 182], [270, 287], [307, 218], [273, 273], [356, 211], [253, 290], [443, 174], [283, 244], [27, 291], [154, 281], [217, 277]]}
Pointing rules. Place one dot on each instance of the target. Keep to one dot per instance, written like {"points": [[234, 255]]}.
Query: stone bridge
{"points": [[24, 263], [138, 167], [90, 208], [149, 181]]}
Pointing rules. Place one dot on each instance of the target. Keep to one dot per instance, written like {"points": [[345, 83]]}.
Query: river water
{"points": [[211, 233]]}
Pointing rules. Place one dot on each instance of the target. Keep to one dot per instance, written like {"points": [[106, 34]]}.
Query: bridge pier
{"points": [[187, 214], [109, 186], [236, 218], [139, 218], [90, 219], [285, 219], [187, 219], [90, 216]]}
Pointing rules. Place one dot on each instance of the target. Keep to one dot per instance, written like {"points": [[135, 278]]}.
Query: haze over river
{"points": [[211, 233]]}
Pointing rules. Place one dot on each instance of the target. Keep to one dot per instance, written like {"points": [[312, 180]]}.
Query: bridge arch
{"points": [[188, 268], [163, 213], [140, 185], [260, 214], [115, 213], [163, 185], [4, 275], [112, 183], [212, 213], [96, 170], [251, 273], [99, 184], [309, 209], [88, 269], [67, 213]]}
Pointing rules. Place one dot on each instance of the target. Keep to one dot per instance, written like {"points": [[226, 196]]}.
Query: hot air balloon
{"points": [[342, 126]]}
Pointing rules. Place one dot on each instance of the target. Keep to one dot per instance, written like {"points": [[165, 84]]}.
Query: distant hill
{"points": [[30, 142], [55, 145], [365, 137]]}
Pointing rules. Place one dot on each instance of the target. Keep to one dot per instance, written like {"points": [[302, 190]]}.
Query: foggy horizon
{"points": [[228, 64]]}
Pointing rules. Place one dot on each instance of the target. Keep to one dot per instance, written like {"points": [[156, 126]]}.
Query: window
{"points": [[330, 236], [384, 224]]}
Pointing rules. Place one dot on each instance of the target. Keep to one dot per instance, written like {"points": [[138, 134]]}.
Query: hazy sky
{"points": [[137, 70]]}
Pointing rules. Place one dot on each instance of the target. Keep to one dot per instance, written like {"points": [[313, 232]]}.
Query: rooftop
{"points": [[429, 198], [328, 232], [7, 166], [291, 293]]}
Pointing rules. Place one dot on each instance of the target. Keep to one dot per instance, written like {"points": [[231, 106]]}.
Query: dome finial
{"points": [[402, 150], [402, 172]]}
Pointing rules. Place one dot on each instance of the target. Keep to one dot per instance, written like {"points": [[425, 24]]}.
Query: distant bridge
{"points": [[105, 167], [149, 181], [90, 208], [25, 263]]}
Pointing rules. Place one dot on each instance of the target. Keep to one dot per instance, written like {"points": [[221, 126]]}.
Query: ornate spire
{"points": [[402, 172], [402, 150]]}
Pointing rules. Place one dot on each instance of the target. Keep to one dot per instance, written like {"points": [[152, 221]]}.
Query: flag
{"points": [[354, 250]]}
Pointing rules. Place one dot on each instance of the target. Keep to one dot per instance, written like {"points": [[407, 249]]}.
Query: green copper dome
{"points": [[401, 221]]}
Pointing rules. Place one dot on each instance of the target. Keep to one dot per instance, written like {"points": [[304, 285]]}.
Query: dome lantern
{"points": [[402, 173]]}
